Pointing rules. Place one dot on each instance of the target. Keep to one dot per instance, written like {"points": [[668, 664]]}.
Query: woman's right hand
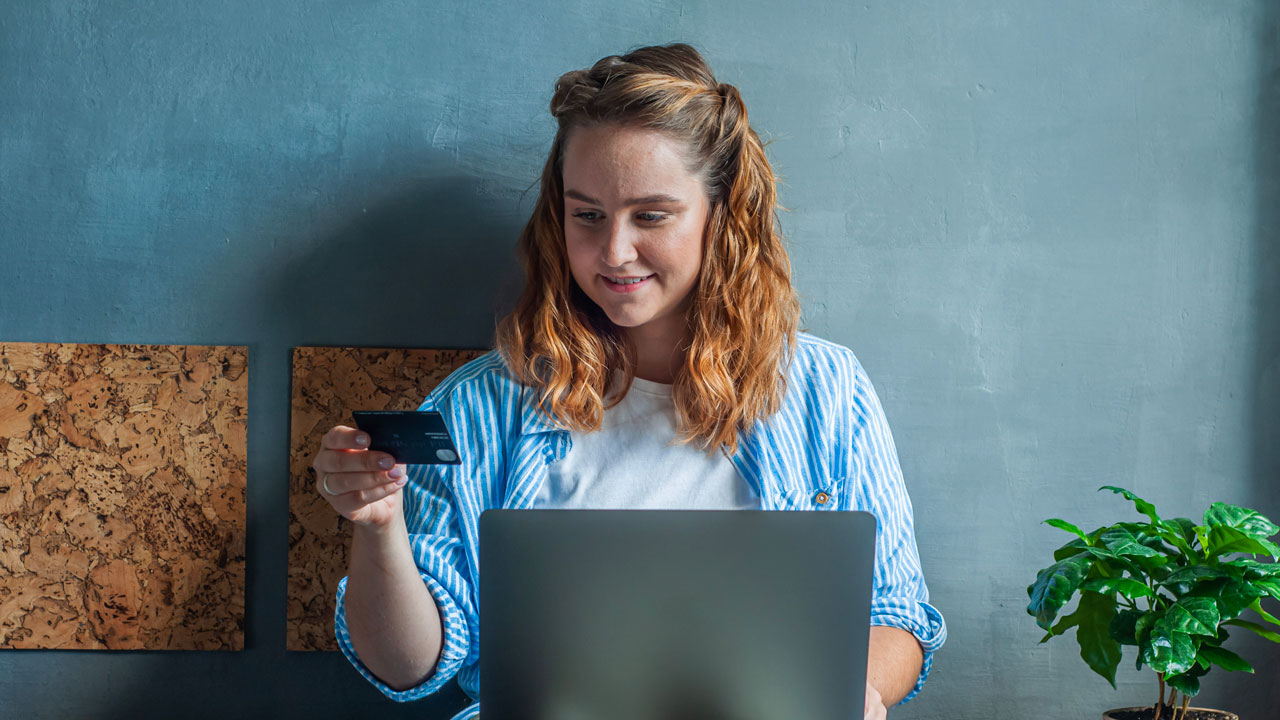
{"points": [[361, 484]]}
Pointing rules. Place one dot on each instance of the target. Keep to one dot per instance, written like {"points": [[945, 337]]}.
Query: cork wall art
{"points": [[122, 496], [328, 383]]}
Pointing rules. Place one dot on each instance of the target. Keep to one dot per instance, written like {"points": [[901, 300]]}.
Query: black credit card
{"points": [[412, 437]]}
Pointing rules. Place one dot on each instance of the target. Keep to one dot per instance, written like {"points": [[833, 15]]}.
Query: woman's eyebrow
{"points": [[646, 200]]}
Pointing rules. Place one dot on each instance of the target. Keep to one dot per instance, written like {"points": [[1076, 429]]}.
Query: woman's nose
{"points": [[620, 247]]}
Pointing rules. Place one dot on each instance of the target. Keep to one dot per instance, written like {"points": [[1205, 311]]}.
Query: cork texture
{"points": [[122, 496], [328, 383]]}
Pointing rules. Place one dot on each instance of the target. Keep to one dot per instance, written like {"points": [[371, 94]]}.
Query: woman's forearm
{"points": [[894, 659], [392, 619]]}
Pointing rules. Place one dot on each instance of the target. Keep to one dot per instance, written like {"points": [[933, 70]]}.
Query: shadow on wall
{"points": [[422, 256], [428, 263]]}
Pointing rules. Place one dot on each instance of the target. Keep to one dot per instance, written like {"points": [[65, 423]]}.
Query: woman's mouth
{"points": [[626, 284]]}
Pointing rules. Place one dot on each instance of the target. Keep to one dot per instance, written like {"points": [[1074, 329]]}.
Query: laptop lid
{"points": [[674, 614]]}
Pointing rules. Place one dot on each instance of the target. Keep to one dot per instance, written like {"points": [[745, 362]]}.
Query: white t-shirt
{"points": [[630, 463]]}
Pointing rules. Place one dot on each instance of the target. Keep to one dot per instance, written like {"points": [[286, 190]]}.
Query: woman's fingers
{"points": [[348, 503], [341, 437], [344, 450], [341, 483], [353, 461], [356, 481], [338, 456]]}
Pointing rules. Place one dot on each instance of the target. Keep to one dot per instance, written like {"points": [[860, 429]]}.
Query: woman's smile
{"points": [[626, 284]]}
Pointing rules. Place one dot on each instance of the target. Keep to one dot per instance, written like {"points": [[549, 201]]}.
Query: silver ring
{"points": [[324, 484]]}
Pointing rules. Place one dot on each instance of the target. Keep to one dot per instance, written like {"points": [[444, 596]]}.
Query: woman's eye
{"points": [[652, 218]]}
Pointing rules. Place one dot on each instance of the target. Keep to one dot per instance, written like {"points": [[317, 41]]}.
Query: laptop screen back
{"points": [[673, 614]]}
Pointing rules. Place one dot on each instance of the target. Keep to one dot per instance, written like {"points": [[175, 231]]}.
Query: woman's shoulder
{"points": [[813, 344], [819, 355]]}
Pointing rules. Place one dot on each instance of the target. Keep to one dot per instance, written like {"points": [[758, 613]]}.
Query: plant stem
{"points": [[1185, 701], [1159, 698]]}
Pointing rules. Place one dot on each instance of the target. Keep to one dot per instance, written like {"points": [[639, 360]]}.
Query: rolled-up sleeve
{"points": [[442, 563], [900, 597], [453, 599]]}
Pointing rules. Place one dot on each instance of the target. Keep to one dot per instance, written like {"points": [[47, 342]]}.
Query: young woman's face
{"points": [[633, 211]]}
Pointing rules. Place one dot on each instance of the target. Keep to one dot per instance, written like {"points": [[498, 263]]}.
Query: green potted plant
{"points": [[1169, 587]]}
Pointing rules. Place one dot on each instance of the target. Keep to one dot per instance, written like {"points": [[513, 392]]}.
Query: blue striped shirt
{"points": [[830, 437]]}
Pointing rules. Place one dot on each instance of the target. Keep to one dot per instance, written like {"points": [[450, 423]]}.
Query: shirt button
{"points": [[821, 498]]}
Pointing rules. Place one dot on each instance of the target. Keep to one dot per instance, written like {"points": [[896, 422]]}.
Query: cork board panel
{"points": [[328, 383], [122, 496]]}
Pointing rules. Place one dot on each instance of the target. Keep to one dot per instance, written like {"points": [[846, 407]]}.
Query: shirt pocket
{"points": [[824, 496]]}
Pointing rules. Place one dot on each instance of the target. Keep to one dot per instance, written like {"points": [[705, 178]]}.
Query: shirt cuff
{"points": [[452, 653], [930, 634]]}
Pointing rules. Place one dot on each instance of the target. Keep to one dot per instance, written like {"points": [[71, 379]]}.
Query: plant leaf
{"points": [[1235, 596], [1097, 647], [1216, 640], [1143, 506], [1122, 542], [1184, 527], [1075, 547], [1224, 540], [1124, 627], [1256, 606], [1202, 534], [1189, 580], [1255, 627], [1194, 573], [1171, 652], [1194, 616], [1178, 535], [1252, 569], [1231, 595], [1146, 532], [1247, 521], [1270, 586], [1224, 659], [1054, 586], [1101, 552], [1128, 587], [1064, 525], [1142, 633], [1065, 623], [1107, 558], [1186, 683]]}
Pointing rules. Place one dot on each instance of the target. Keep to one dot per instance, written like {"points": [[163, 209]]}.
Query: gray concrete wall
{"points": [[1049, 231]]}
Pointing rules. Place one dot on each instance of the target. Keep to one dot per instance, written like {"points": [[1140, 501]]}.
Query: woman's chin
{"points": [[626, 322]]}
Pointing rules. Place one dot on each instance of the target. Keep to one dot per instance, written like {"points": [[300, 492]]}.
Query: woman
{"points": [[657, 339]]}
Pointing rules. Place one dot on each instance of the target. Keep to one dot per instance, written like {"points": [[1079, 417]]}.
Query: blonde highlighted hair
{"points": [[744, 314]]}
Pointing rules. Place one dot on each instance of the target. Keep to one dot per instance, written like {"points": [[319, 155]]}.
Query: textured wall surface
{"points": [[1048, 229], [328, 383], [122, 496]]}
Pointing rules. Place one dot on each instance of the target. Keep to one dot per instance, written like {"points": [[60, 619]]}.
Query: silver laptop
{"points": [[674, 614]]}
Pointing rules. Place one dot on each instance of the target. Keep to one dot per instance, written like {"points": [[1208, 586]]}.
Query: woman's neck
{"points": [[658, 358], [658, 373]]}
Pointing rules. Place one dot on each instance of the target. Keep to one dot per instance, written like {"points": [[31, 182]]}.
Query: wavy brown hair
{"points": [[744, 315]]}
